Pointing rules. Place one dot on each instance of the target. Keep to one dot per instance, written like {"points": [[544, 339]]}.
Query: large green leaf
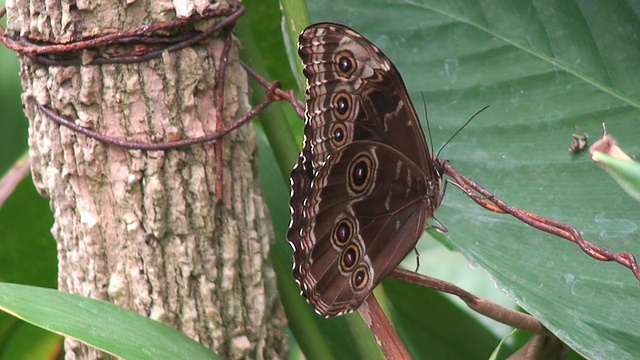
{"points": [[110, 328], [546, 68]]}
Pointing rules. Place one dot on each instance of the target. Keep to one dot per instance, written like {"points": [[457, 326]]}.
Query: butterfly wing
{"points": [[349, 243], [356, 93]]}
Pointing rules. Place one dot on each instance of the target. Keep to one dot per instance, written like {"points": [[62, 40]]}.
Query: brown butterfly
{"points": [[364, 184]]}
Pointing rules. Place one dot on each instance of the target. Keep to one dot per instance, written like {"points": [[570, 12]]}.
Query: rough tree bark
{"points": [[144, 229]]}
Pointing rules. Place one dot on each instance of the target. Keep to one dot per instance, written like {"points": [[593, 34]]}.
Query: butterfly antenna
{"points": [[460, 129], [426, 116]]}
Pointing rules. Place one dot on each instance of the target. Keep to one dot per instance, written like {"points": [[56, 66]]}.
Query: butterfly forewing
{"points": [[369, 101], [364, 184]]}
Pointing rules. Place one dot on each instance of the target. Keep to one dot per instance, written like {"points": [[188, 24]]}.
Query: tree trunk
{"points": [[145, 229]]}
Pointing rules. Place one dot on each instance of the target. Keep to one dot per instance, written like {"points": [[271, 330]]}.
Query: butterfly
{"points": [[364, 184]]}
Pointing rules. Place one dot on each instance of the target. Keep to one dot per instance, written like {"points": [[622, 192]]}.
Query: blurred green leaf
{"points": [[13, 137], [625, 173], [28, 256], [28, 251]]}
